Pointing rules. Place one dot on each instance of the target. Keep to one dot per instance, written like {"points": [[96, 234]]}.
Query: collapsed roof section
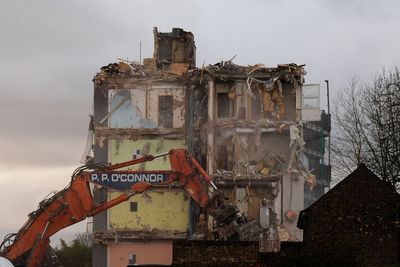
{"points": [[258, 75], [226, 70], [264, 86], [131, 71]]}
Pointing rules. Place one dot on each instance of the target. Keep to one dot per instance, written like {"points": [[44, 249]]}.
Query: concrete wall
{"points": [[293, 199], [178, 93], [129, 109], [139, 108]]}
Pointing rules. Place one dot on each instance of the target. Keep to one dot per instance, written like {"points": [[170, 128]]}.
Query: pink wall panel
{"points": [[149, 252]]}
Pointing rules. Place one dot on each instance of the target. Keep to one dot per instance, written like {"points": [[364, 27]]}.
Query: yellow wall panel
{"points": [[123, 150], [163, 210], [160, 210]]}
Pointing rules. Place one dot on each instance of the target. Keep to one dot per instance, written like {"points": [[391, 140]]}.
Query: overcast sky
{"points": [[50, 50]]}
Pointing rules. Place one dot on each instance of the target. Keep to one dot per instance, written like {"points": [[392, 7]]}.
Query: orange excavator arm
{"points": [[67, 207], [75, 203]]}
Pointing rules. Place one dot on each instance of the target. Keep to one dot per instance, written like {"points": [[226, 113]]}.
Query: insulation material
{"points": [[270, 164], [166, 211], [296, 143], [310, 179], [273, 102], [140, 253], [178, 103], [178, 68]]}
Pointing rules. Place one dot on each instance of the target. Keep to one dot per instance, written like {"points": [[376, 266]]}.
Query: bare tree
{"points": [[367, 122], [84, 238], [347, 139]]}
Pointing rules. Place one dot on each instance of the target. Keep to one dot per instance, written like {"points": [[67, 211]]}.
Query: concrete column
{"points": [[100, 106], [210, 129]]}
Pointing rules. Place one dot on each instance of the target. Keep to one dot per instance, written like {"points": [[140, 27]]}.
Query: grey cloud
{"points": [[50, 51], [43, 133]]}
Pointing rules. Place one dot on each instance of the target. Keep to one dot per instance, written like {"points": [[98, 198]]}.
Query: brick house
{"points": [[354, 223]]}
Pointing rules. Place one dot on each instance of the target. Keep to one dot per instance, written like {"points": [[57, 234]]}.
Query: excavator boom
{"points": [[67, 207], [75, 203]]}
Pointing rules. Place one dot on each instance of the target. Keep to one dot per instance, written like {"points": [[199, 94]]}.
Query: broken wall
{"points": [[136, 114], [253, 116], [147, 106], [173, 47]]}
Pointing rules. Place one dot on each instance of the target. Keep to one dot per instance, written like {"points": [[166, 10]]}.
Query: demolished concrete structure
{"points": [[245, 124]]}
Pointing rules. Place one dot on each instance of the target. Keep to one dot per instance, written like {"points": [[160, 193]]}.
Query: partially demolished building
{"points": [[257, 130]]}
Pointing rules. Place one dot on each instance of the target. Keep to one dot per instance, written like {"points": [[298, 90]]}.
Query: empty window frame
{"points": [[223, 105], [166, 111], [222, 157], [133, 206], [226, 106]]}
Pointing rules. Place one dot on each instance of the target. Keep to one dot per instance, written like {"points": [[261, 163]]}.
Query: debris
{"points": [[178, 68], [311, 180], [296, 143], [291, 216], [284, 234], [265, 171]]}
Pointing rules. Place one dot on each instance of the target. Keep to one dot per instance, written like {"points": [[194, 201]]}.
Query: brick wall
{"points": [[216, 253], [355, 222]]}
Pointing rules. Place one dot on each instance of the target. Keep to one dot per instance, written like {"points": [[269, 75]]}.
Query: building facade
{"points": [[255, 129]]}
